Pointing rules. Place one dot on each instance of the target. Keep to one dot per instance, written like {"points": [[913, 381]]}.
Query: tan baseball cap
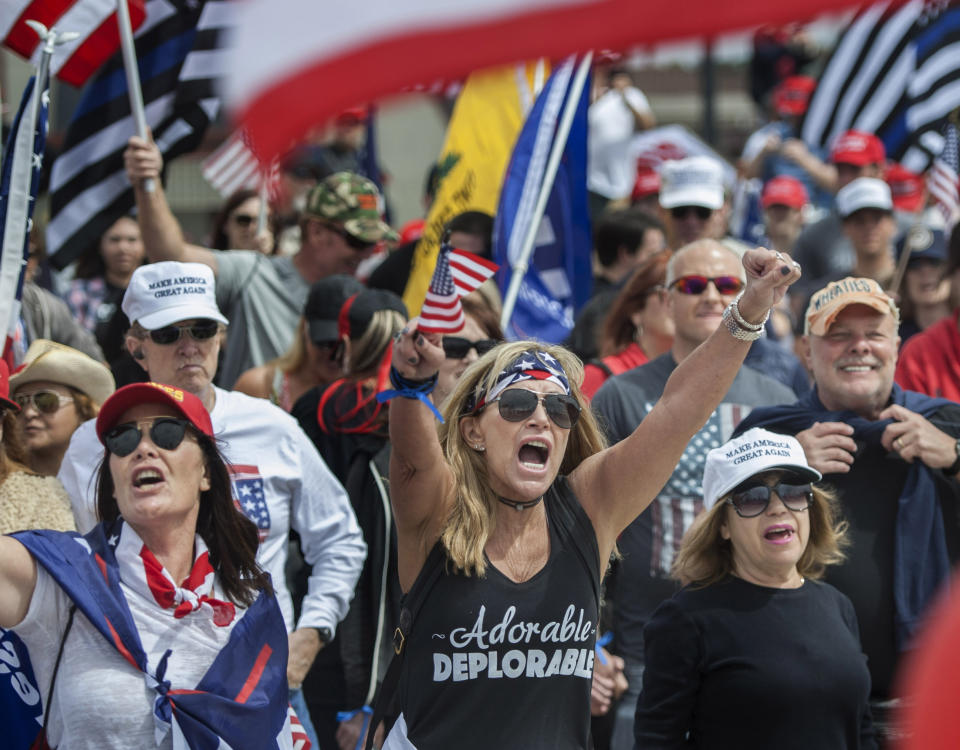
{"points": [[826, 304]]}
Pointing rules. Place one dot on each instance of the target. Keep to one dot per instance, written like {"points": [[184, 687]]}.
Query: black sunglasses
{"points": [[165, 432], [355, 243], [680, 212], [45, 402], [205, 329], [751, 500], [694, 284], [517, 404], [457, 347], [244, 220]]}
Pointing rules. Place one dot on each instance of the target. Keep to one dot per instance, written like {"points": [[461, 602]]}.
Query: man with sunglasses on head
{"points": [[702, 279], [279, 480], [264, 295], [893, 456]]}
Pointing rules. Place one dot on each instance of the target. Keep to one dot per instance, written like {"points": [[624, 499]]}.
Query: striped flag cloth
{"points": [[457, 273], [943, 180], [180, 60], [896, 73], [232, 166], [297, 733], [94, 21], [19, 183]]}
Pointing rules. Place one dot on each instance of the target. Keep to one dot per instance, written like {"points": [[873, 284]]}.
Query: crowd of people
{"points": [[239, 478]]}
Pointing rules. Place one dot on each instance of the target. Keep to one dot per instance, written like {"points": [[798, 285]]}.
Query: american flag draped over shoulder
{"points": [[241, 701], [457, 273], [180, 60], [19, 182]]}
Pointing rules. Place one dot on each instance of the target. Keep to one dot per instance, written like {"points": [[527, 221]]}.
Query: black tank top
{"points": [[493, 663]]}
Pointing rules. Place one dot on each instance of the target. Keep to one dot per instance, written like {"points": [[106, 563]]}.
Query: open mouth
{"points": [[780, 534], [147, 477], [534, 454]]}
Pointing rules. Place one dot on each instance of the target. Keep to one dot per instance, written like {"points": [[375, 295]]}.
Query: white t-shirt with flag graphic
{"points": [[280, 482]]}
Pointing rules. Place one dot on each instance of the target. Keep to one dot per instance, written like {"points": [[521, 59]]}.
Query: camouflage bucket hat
{"points": [[353, 202]]}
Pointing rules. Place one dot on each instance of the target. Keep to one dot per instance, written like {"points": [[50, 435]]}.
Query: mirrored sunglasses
{"points": [[45, 402], [750, 501], [457, 347], [201, 331], [517, 404], [165, 432], [694, 284]]}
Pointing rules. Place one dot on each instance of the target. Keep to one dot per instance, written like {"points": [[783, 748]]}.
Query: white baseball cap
{"points": [[864, 192], [694, 181], [754, 452], [163, 293]]}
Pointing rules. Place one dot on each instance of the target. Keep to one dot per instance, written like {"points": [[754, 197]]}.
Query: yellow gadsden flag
{"points": [[483, 129]]}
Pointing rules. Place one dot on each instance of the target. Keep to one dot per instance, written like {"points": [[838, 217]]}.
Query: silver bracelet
{"points": [[736, 330], [735, 312]]}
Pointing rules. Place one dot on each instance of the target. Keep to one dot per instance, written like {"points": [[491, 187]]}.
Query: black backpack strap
{"points": [[410, 605], [56, 668]]}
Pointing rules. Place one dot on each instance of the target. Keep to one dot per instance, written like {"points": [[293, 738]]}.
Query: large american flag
{"points": [[943, 181], [457, 273], [94, 22]]}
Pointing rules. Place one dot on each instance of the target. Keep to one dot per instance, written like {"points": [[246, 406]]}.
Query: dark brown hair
{"points": [[230, 536], [218, 238], [14, 452], [618, 329]]}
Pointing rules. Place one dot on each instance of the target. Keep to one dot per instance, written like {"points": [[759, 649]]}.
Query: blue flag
{"points": [[19, 182], [557, 283]]}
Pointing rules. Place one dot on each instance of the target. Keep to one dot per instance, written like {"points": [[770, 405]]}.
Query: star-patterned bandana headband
{"points": [[537, 365]]}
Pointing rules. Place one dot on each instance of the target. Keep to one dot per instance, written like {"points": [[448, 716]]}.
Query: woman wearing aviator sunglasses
{"points": [[507, 515], [756, 650], [153, 593]]}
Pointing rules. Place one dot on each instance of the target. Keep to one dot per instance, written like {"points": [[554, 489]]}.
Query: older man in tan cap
{"points": [[892, 455]]}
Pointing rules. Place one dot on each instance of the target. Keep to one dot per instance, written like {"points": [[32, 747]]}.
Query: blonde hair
{"points": [[472, 517], [296, 356], [367, 351], [705, 557]]}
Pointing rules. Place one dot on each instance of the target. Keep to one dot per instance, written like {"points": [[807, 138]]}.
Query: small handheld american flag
{"points": [[457, 273]]}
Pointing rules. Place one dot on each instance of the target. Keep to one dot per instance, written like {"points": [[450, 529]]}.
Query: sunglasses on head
{"points": [[45, 402], [244, 220], [681, 212], [517, 404], [750, 500], [201, 331], [694, 284], [165, 432], [457, 347]]}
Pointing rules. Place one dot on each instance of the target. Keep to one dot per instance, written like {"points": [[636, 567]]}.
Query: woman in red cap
{"points": [[159, 620]]}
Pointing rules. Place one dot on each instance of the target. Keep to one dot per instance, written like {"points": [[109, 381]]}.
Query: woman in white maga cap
{"points": [[755, 651]]}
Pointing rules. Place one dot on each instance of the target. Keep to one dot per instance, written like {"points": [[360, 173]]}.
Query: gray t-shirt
{"points": [[263, 297], [648, 545]]}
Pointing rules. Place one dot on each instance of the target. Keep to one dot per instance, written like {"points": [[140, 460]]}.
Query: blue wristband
{"points": [[407, 388]]}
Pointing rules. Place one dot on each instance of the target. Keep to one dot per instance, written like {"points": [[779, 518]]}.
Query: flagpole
{"points": [[519, 268], [133, 77]]}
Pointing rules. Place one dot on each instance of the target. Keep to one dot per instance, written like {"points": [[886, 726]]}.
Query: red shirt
{"points": [[930, 361], [594, 376]]}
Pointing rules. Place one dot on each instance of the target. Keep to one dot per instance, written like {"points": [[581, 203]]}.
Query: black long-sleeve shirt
{"points": [[735, 665]]}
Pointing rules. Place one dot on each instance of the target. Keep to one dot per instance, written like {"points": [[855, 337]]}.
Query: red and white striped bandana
{"points": [[143, 572]]}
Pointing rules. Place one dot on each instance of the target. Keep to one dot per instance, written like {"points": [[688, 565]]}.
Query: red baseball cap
{"points": [[792, 96], [352, 116], [186, 403], [412, 230], [784, 191], [906, 188], [858, 148], [647, 182]]}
